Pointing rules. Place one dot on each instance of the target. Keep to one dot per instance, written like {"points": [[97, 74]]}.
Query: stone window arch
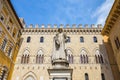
{"points": [[40, 57], [42, 39], [70, 57], [102, 76], [81, 39], [25, 57], [83, 57], [98, 57], [28, 39], [95, 39], [29, 76], [86, 76]]}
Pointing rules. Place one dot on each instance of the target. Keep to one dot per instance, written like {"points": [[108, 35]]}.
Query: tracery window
{"points": [[83, 57], [40, 57], [98, 57], [70, 56], [25, 57]]}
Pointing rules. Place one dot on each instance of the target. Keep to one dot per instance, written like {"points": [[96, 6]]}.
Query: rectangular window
{"points": [[1, 17], [4, 44], [9, 51]]}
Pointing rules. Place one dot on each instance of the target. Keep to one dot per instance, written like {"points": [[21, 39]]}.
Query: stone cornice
{"points": [[94, 30], [112, 18]]}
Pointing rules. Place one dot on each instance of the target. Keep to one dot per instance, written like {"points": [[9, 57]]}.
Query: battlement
{"points": [[74, 29], [64, 26]]}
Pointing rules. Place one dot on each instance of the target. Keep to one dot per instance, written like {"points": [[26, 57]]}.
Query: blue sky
{"points": [[63, 11]]}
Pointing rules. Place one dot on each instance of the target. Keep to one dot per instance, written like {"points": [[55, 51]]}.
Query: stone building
{"points": [[10, 32], [90, 55], [86, 54], [111, 33]]}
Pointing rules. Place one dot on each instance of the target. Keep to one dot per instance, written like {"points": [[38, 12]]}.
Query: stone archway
{"points": [[29, 76]]}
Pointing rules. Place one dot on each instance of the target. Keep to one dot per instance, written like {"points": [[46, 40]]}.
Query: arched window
{"points": [[95, 39], [83, 57], [86, 76], [69, 56], [103, 76], [41, 39], [98, 57], [40, 57], [68, 39], [28, 39], [81, 39], [25, 57]]}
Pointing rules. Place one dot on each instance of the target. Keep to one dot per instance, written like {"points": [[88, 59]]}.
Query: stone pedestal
{"points": [[60, 74], [60, 64]]}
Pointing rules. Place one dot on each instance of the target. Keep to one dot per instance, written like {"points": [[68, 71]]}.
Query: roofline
{"points": [[15, 13]]}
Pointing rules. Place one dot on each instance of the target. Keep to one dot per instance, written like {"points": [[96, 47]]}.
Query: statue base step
{"points": [[60, 64]]}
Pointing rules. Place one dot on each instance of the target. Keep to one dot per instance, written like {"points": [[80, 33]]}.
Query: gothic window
{"points": [[41, 39], [4, 44], [81, 39], [40, 57], [86, 76], [69, 56], [25, 57], [83, 57], [95, 39], [28, 39], [103, 76], [98, 57], [117, 43]]}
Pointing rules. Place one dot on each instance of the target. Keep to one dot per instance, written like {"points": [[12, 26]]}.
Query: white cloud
{"points": [[103, 11]]}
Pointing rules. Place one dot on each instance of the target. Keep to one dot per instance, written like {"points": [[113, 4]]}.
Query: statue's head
{"points": [[60, 30]]}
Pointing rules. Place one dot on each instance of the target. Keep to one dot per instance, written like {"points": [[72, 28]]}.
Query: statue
{"points": [[59, 46]]}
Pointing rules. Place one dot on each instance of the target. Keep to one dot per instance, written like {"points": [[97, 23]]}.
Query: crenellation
{"points": [[80, 26], [36, 26], [55, 26], [31, 26], [74, 26], [92, 25], [61, 26], [86, 26], [99, 26], [49, 26], [67, 26], [42, 26]]}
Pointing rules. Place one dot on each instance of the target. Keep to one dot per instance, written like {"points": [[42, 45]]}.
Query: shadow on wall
{"points": [[109, 67]]}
